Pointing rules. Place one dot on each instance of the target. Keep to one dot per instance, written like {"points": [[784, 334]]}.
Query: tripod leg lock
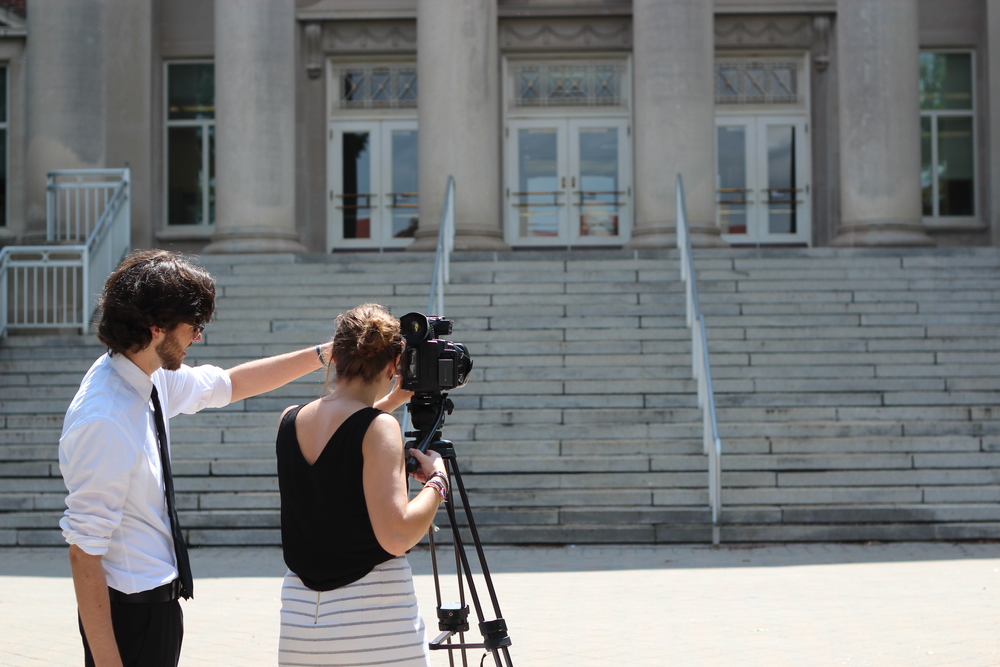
{"points": [[453, 617], [494, 634]]}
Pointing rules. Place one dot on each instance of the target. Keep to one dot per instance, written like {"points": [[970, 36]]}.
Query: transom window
{"points": [[560, 85], [947, 135], [748, 82], [190, 153], [378, 87]]}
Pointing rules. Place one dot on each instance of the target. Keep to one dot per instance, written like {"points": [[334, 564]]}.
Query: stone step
{"points": [[855, 393]]}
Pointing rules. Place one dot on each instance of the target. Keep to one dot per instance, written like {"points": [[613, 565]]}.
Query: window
{"points": [[378, 87], [3, 146], [947, 135], [190, 153], [753, 82], [568, 85]]}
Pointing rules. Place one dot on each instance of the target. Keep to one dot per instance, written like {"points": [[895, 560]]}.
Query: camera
{"points": [[431, 364]]}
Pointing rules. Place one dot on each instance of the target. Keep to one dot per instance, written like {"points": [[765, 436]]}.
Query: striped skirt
{"points": [[374, 621]]}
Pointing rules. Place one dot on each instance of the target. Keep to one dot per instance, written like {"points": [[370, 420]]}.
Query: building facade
{"points": [[328, 125]]}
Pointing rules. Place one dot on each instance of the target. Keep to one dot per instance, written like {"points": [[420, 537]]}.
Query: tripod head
{"points": [[427, 411]]}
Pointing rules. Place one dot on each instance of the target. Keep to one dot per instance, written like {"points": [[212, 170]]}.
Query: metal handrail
{"points": [[442, 265], [72, 275], [700, 364], [442, 255]]}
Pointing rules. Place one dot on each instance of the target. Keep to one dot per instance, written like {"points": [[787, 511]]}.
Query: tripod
{"points": [[427, 412]]}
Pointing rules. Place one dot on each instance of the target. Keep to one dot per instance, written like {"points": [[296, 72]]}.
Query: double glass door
{"points": [[568, 182], [373, 187], [762, 176]]}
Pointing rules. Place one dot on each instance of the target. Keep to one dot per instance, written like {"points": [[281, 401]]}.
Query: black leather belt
{"points": [[164, 593]]}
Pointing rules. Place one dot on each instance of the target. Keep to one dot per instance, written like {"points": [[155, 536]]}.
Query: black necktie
{"points": [[180, 547]]}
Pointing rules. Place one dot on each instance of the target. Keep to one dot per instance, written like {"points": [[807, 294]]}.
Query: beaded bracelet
{"points": [[443, 477], [439, 486]]}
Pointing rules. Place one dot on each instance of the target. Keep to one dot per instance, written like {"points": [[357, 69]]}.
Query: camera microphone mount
{"points": [[427, 413]]}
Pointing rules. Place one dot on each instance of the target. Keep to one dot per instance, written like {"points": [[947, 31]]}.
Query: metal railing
{"points": [[56, 286], [442, 256], [76, 200], [700, 365], [442, 267]]}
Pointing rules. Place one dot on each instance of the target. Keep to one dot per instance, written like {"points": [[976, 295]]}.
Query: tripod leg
{"points": [[494, 632]]}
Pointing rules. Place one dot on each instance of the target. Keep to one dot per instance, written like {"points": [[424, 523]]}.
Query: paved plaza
{"points": [[910, 605]]}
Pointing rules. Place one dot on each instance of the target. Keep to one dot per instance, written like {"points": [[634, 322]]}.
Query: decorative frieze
{"points": [[770, 31], [565, 34], [369, 36]]}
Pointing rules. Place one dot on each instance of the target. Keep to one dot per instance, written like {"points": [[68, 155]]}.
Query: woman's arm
{"points": [[394, 398], [398, 523]]}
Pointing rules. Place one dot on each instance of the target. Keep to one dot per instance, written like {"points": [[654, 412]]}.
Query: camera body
{"points": [[430, 363]]}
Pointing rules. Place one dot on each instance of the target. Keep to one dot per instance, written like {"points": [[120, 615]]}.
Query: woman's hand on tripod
{"points": [[429, 462]]}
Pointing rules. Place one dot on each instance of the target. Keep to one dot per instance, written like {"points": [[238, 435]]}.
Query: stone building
{"points": [[326, 125]]}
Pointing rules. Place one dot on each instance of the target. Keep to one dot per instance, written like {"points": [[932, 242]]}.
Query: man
{"points": [[127, 554]]}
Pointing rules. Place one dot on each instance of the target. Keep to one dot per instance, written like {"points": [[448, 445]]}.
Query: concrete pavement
{"points": [[907, 604]]}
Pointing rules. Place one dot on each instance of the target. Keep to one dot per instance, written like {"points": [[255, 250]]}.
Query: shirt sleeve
{"points": [[191, 389], [96, 460]]}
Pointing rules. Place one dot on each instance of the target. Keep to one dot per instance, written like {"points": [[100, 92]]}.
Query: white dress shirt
{"points": [[110, 462]]}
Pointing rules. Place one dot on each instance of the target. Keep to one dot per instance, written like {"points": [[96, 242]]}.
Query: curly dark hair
{"points": [[152, 288], [367, 339]]}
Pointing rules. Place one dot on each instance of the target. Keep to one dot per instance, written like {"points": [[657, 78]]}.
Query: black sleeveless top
{"points": [[326, 535]]}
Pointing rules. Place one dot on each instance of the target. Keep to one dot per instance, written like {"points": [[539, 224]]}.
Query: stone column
{"points": [[459, 116], [65, 95], [255, 127], [879, 113], [993, 69], [674, 96]]}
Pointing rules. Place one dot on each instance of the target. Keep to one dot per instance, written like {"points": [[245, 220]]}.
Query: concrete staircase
{"points": [[855, 392]]}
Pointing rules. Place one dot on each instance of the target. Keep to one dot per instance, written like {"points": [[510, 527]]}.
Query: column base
{"points": [[255, 241], [465, 240], [906, 234], [662, 236]]}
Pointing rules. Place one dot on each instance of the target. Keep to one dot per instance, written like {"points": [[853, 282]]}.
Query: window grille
{"points": [[568, 85], [756, 83], [383, 87]]}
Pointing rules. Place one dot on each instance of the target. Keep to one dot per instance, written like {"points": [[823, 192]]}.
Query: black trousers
{"points": [[148, 635]]}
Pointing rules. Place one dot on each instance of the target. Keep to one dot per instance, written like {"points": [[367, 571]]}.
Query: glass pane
{"points": [[211, 174], [184, 176], [357, 191], [955, 167], [781, 194], [3, 94], [926, 170], [945, 80], [538, 182], [599, 196], [3, 178], [404, 183], [732, 147], [190, 91], [381, 88]]}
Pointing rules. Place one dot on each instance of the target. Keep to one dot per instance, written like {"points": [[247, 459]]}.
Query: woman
{"points": [[346, 521]]}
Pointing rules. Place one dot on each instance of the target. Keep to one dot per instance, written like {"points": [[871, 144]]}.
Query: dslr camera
{"points": [[430, 363]]}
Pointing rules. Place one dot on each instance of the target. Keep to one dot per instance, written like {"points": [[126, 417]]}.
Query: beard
{"points": [[171, 353]]}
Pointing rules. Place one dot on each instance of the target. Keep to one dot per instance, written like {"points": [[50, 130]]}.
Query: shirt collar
{"points": [[132, 374]]}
